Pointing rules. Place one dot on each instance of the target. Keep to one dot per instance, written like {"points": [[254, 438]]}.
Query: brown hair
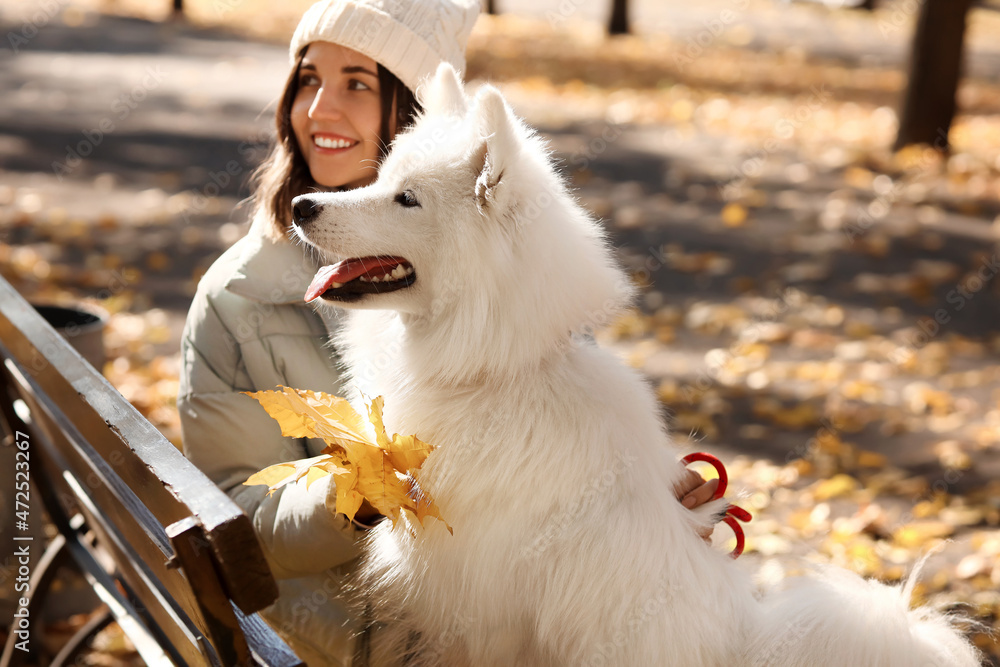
{"points": [[285, 175]]}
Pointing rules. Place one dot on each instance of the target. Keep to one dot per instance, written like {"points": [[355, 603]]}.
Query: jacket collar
{"points": [[271, 271]]}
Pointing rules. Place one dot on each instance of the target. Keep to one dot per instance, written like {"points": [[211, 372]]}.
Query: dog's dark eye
{"points": [[407, 199]]}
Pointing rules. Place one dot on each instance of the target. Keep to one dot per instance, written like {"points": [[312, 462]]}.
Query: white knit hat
{"points": [[410, 38]]}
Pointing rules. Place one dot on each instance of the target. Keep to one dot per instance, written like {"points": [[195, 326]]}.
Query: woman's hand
{"points": [[693, 491]]}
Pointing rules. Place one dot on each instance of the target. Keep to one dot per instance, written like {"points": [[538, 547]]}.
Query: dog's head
{"points": [[468, 228]]}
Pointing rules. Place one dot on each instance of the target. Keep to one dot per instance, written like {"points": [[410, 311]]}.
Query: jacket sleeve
{"points": [[229, 437]]}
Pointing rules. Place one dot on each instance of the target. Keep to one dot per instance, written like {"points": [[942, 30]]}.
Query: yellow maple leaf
{"points": [[313, 414], [278, 475], [405, 452], [380, 470]]}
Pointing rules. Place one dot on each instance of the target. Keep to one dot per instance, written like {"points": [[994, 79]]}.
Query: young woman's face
{"points": [[336, 115]]}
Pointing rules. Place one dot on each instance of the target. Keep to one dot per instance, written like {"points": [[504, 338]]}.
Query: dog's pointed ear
{"points": [[443, 93], [495, 153]]}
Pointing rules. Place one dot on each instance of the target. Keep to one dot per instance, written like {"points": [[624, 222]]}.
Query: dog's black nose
{"points": [[304, 210]]}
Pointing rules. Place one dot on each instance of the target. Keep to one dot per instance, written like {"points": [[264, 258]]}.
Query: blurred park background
{"points": [[820, 301]]}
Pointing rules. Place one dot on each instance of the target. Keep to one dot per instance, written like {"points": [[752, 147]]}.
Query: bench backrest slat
{"points": [[90, 484], [79, 482], [142, 458], [168, 622], [184, 552]]}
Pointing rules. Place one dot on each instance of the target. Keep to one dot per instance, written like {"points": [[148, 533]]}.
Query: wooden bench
{"points": [[174, 561]]}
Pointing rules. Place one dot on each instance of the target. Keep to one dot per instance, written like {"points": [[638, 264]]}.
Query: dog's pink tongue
{"points": [[348, 270], [321, 281]]}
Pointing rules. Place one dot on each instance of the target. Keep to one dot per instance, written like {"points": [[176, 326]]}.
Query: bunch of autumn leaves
{"points": [[380, 469]]}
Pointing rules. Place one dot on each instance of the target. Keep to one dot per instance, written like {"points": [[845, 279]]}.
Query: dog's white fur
{"points": [[552, 464]]}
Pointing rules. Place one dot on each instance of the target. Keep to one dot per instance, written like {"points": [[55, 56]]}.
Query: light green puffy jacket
{"points": [[248, 329]]}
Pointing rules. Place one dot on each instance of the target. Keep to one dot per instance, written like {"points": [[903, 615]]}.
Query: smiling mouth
{"points": [[351, 279], [334, 143]]}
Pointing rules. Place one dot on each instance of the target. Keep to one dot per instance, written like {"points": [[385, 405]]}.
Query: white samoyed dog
{"points": [[470, 272]]}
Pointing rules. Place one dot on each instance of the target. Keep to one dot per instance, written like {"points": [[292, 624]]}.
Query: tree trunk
{"points": [[935, 70], [619, 18]]}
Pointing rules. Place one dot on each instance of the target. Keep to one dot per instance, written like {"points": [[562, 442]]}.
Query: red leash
{"points": [[733, 512]]}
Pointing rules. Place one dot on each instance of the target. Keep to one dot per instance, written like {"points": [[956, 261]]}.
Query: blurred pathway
{"points": [[811, 27], [125, 146]]}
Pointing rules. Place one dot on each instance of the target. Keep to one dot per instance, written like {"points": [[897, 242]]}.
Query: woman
{"points": [[356, 65]]}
